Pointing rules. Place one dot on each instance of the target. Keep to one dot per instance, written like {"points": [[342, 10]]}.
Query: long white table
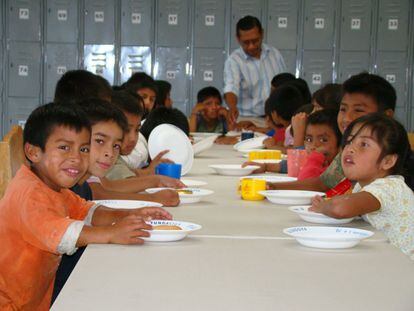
{"points": [[240, 260]]}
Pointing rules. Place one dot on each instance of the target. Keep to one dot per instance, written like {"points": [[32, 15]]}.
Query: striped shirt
{"points": [[249, 78]]}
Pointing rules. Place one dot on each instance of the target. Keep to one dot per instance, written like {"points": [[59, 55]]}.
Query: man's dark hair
{"points": [[128, 102], [282, 78], [44, 119], [208, 92], [248, 22]]}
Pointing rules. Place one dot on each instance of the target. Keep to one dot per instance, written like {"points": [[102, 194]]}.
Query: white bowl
{"points": [[317, 218], [233, 169], [193, 183], [328, 237], [185, 198], [171, 235], [272, 178], [127, 204], [292, 197], [252, 143], [204, 144]]}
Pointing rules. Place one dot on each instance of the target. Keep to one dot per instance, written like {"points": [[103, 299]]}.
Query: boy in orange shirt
{"points": [[41, 219]]}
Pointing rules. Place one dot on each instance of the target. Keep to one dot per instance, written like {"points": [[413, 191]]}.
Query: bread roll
{"points": [[166, 227]]}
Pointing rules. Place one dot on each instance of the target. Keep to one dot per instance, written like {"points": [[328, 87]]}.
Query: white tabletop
{"points": [[240, 260]]}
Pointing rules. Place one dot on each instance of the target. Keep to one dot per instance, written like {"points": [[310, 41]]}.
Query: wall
{"points": [[187, 41]]}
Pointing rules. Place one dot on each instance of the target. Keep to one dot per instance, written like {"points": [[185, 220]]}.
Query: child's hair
{"points": [[329, 96], [139, 77], [303, 87], [374, 86], [282, 78], [388, 133], [44, 119], [285, 100], [163, 115], [77, 85], [308, 108], [134, 87], [164, 88], [128, 102], [207, 92], [98, 110], [326, 117]]}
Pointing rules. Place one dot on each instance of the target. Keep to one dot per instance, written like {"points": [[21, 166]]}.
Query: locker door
{"points": [[100, 59], [239, 9], [209, 23], [59, 59], [289, 57], [393, 25], [62, 21], [99, 22], [351, 63], [282, 24], [24, 69], [18, 110], [317, 68], [24, 20], [134, 59], [172, 21], [136, 22], [208, 70], [393, 67], [319, 24], [356, 25]]}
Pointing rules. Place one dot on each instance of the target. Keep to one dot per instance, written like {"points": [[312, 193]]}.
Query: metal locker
{"points": [[393, 25], [393, 67], [18, 110], [401, 114], [318, 33], [207, 70], [172, 23], [171, 65], [289, 56], [134, 59], [351, 63], [239, 9], [59, 59], [23, 20], [209, 22], [181, 106], [137, 22], [317, 68], [100, 59], [282, 24], [356, 25], [62, 21], [24, 69], [99, 22]]}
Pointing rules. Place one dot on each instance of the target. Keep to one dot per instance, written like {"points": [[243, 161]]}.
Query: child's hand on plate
{"points": [[128, 230], [166, 197], [260, 170], [169, 182], [149, 213], [317, 204]]}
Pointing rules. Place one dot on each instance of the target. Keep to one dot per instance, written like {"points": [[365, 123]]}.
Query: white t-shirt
{"points": [[139, 156]]}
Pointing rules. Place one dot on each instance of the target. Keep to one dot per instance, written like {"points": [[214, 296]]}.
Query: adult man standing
{"points": [[249, 70]]}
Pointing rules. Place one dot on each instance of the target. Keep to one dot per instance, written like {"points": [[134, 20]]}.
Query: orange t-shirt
{"points": [[33, 220]]}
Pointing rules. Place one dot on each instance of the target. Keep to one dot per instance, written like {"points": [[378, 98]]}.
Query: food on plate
{"points": [[184, 191], [166, 227]]}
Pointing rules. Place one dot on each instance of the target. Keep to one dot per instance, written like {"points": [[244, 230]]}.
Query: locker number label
{"points": [[391, 78], [170, 75], [23, 70], [172, 19], [316, 79], [24, 13], [393, 24], [62, 15], [282, 22], [99, 16], [100, 70], [355, 23], [210, 20], [61, 70], [136, 18], [319, 23], [208, 75]]}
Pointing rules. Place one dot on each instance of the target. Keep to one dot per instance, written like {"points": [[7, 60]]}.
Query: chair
{"points": [[411, 139], [11, 156]]}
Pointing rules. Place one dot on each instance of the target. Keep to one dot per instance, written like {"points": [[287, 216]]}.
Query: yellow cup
{"points": [[265, 155], [250, 188], [273, 155]]}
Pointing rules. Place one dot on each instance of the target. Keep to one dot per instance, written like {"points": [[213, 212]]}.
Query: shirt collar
{"points": [[263, 54]]}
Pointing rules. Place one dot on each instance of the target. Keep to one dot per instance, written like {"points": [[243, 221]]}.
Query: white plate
{"points": [[171, 235], [328, 237], [127, 204], [202, 134], [204, 144], [293, 197], [317, 218], [272, 178], [271, 161], [193, 183], [248, 144], [233, 169], [170, 137], [185, 198]]}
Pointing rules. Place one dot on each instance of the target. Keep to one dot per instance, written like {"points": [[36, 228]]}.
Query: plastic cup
{"points": [[250, 188], [169, 169], [296, 159]]}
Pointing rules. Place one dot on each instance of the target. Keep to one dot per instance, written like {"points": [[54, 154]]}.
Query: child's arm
{"points": [[264, 167], [299, 126], [137, 184], [193, 118], [346, 206], [150, 169], [313, 184]]}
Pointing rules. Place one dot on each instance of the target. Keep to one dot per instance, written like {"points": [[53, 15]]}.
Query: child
{"points": [[147, 90], [40, 219], [163, 94], [374, 154], [327, 97], [280, 79], [208, 115]]}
